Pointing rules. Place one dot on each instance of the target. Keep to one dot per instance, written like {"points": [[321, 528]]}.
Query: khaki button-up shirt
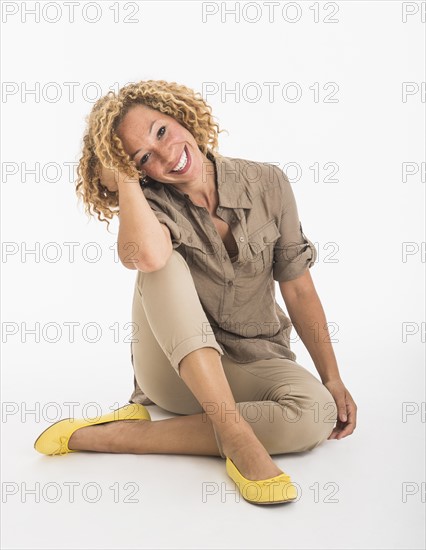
{"points": [[238, 293]]}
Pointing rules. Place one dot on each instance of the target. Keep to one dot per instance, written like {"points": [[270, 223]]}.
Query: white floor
{"points": [[351, 491]]}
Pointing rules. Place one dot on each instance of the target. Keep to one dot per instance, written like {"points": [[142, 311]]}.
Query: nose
{"points": [[162, 153]]}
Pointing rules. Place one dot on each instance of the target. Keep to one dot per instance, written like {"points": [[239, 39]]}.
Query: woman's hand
{"points": [[113, 178], [346, 409], [109, 178]]}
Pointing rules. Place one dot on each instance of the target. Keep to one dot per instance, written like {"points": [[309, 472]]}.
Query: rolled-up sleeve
{"points": [[293, 251], [166, 218]]}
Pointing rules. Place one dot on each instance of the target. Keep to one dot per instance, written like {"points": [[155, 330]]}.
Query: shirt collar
{"points": [[231, 182]]}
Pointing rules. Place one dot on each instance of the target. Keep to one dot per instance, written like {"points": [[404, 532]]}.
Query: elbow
{"points": [[151, 260], [154, 263], [140, 265], [299, 286]]}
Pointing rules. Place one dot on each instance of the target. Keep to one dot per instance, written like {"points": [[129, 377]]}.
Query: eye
{"points": [[160, 134], [143, 160]]}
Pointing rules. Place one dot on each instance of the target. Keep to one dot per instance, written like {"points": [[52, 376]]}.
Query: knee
{"points": [[324, 418], [313, 416], [175, 261], [166, 274]]}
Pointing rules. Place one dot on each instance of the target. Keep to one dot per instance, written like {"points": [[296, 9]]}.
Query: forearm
{"points": [[141, 239], [308, 318]]}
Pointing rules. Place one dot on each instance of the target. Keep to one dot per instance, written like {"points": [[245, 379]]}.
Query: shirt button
{"points": [[230, 283], [190, 239], [241, 239]]}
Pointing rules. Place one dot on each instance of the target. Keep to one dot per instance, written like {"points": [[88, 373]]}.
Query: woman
{"points": [[208, 235]]}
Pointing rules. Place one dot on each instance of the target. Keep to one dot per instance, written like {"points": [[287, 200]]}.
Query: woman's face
{"points": [[161, 147]]}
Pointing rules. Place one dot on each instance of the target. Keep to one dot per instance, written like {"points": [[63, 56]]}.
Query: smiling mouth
{"points": [[182, 163]]}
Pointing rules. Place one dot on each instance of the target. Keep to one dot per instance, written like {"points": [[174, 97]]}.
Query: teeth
{"points": [[182, 163]]}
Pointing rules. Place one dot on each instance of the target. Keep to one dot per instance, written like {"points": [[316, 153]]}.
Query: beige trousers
{"points": [[289, 409]]}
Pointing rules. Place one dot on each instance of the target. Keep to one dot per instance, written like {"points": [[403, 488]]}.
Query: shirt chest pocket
{"points": [[258, 255], [196, 251]]}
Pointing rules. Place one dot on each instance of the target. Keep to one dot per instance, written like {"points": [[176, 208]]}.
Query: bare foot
{"points": [[249, 455]]}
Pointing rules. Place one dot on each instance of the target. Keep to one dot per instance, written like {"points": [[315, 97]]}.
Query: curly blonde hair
{"points": [[102, 146]]}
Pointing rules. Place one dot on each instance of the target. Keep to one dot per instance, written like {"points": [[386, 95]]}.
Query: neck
{"points": [[203, 192]]}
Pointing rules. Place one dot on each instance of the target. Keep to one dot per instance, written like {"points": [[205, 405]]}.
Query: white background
{"points": [[368, 289]]}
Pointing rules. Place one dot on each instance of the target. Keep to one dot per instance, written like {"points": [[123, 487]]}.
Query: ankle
{"points": [[237, 437]]}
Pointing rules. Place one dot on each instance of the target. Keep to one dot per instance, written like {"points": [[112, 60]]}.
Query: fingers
{"points": [[343, 429], [334, 433], [347, 430], [336, 430], [341, 404], [341, 410], [108, 179]]}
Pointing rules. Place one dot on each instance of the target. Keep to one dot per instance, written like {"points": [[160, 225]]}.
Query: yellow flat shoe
{"points": [[54, 440], [273, 490]]}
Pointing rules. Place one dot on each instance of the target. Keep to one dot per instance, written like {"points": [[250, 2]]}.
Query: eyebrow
{"points": [[150, 130]]}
